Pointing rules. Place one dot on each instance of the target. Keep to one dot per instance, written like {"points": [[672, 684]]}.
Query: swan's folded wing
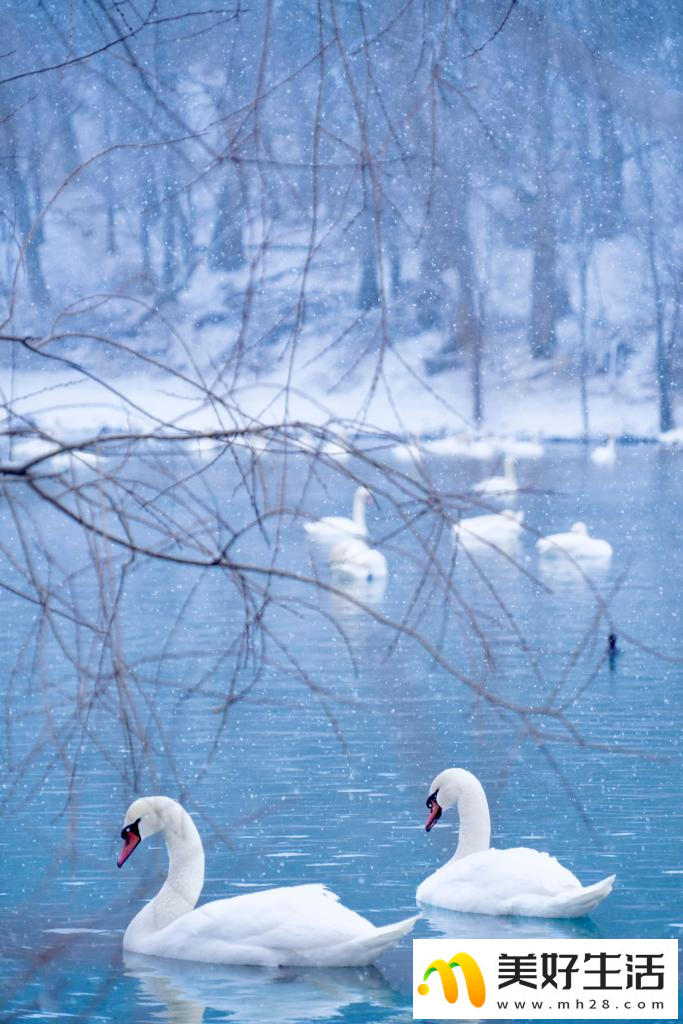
{"points": [[521, 869], [276, 927], [514, 881]]}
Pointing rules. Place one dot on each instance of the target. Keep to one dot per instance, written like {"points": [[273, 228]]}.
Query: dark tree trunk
{"points": [[19, 181], [468, 329], [227, 246], [662, 354], [429, 298], [368, 291], [544, 291], [608, 216], [542, 337], [169, 237], [391, 228], [583, 334]]}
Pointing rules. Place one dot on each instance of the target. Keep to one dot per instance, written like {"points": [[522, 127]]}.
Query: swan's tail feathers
{"points": [[366, 949], [586, 899]]}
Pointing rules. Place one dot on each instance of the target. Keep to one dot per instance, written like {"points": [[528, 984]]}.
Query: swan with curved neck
{"points": [[606, 454], [504, 484], [333, 528], [481, 880], [301, 925]]}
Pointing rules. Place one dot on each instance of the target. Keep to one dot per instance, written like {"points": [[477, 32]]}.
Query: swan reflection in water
{"points": [[369, 592], [285, 995], [487, 926], [564, 574]]}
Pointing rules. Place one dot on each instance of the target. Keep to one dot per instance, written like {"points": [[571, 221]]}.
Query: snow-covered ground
{"points": [[333, 367], [398, 399]]}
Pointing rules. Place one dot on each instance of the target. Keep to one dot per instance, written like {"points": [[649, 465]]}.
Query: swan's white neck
{"points": [[475, 821], [510, 473], [359, 509], [180, 892]]}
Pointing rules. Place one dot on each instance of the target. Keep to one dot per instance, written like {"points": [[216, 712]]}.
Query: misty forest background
{"points": [[248, 248], [484, 192]]}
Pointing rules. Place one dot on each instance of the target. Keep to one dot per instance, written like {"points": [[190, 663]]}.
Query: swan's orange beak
{"points": [[434, 813], [131, 838]]}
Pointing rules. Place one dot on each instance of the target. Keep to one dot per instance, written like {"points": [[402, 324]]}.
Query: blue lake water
{"points": [[327, 781]]}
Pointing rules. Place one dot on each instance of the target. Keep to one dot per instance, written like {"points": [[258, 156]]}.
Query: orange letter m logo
{"points": [[474, 979]]}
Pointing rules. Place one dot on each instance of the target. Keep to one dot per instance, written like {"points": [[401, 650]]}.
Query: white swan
{"points": [[332, 528], [576, 543], [499, 529], [355, 560], [606, 454], [480, 880], [504, 484], [301, 925]]}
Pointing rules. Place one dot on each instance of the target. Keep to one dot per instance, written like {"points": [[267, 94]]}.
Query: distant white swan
{"points": [[481, 880], [354, 559], [332, 528], [505, 484], [301, 925], [500, 529], [576, 543], [606, 454]]}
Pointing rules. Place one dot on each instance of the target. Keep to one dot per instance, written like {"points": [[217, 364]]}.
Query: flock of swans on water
{"points": [[307, 925], [345, 538]]}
